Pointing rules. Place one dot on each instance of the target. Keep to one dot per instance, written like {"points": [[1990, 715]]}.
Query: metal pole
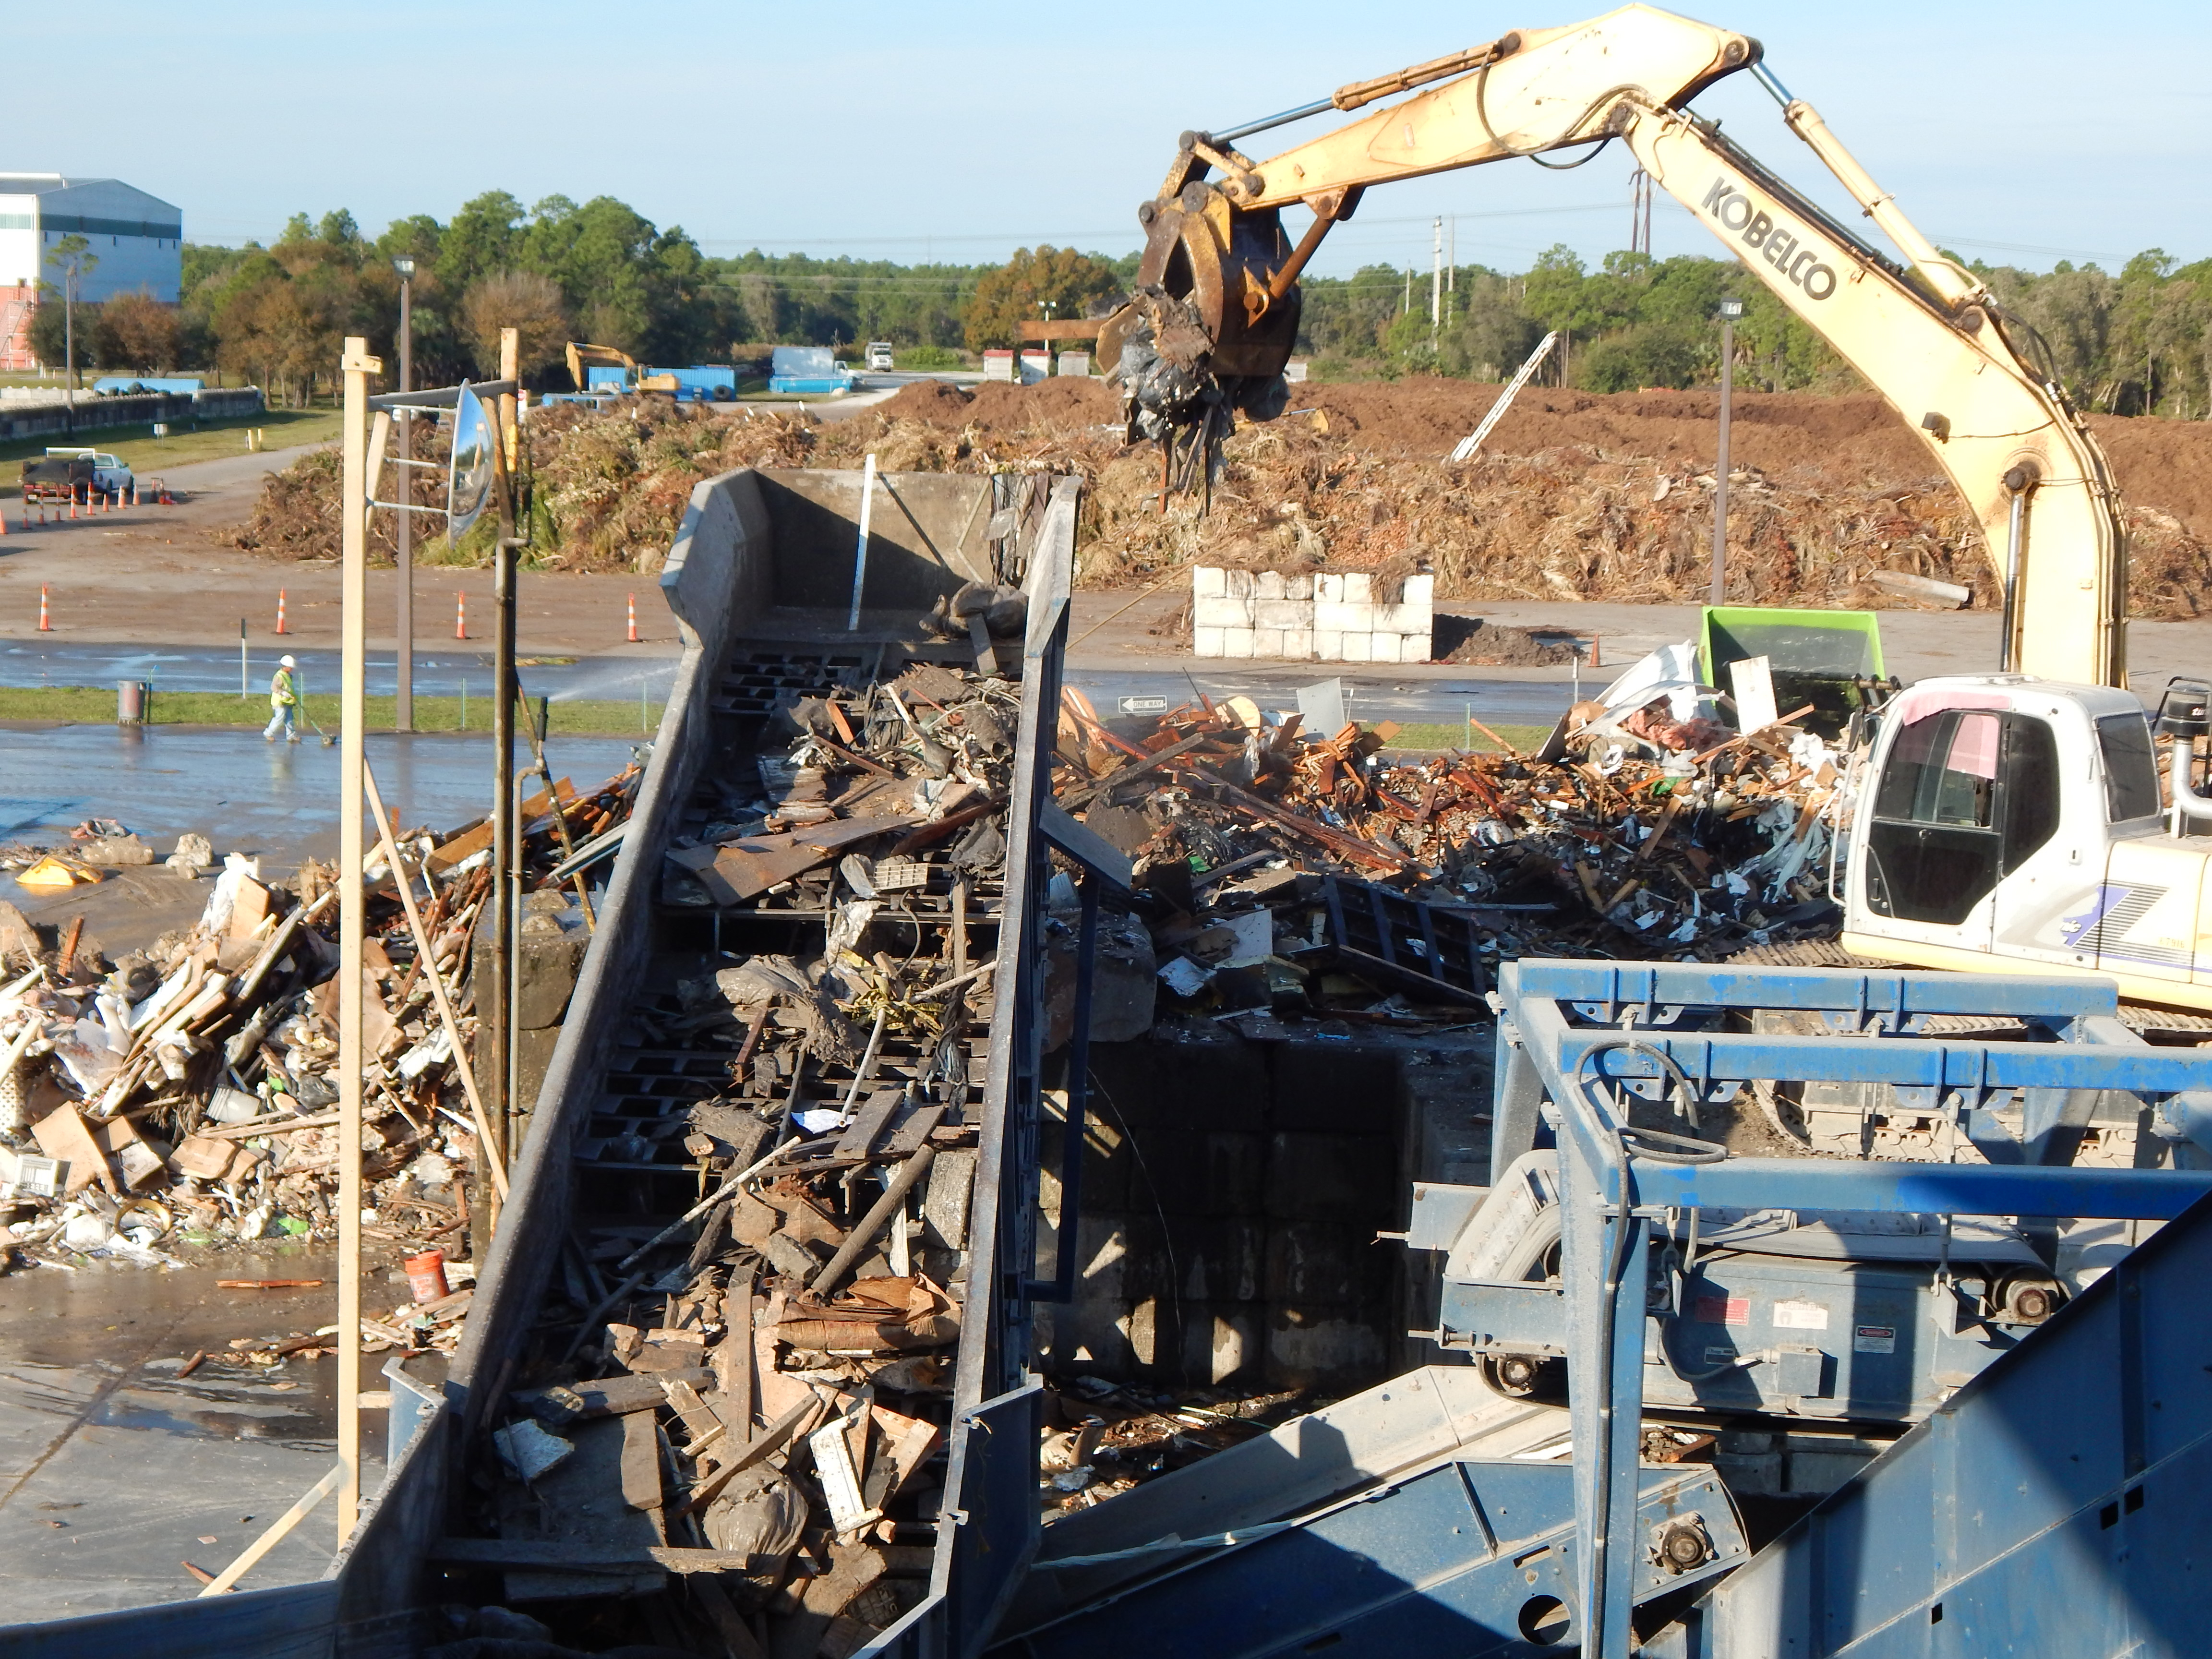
{"points": [[860, 558], [353, 589], [403, 534], [1436, 274], [1720, 471], [503, 856], [242, 690]]}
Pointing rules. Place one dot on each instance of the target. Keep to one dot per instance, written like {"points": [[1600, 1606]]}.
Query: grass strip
{"points": [[82, 705], [1425, 737], [149, 457]]}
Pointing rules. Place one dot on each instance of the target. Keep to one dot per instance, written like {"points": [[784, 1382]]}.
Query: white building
{"points": [[138, 238]]}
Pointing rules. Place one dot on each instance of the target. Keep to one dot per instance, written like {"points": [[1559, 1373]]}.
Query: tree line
{"points": [[554, 271], [2136, 342]]}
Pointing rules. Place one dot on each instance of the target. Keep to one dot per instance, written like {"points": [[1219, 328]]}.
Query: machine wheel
{"points": [[1539, 1377]]}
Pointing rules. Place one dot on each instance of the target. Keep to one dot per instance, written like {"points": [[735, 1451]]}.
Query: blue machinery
{"points": [[1578, 1040], [2058, 1503]]}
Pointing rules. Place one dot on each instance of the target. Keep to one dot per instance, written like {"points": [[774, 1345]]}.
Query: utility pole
{"points": [[70, 258], [403, 534], [1451, 256], [1436, 277], [1730, 310]]}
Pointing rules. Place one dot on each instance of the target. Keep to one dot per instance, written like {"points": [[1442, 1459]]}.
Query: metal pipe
{"points": [[2186, 801], [1267, 123], [2019, 482], [1721, 469], [861, 552], [877, 1219]]}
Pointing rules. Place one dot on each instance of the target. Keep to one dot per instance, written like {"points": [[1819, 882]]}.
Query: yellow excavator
{"points": [[2003, 821], [582, 359]]}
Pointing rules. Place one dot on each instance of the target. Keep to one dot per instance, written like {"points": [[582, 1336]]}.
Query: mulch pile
{"points": [[1576, 496]]}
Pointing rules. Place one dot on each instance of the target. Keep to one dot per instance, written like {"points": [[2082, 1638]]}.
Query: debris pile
{"points": [[755, 1396], [1576, 496], [185, 1095], [1308, 873], [1104, 1439]]}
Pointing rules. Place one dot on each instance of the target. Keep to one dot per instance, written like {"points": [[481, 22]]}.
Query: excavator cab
{"points": [[2008, 819]]}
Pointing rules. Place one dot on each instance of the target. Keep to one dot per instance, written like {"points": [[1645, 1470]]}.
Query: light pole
{"points": [[1730, 310], [69, 258], [403, 534]]}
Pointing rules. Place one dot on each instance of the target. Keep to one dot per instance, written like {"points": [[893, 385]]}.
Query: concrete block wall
{"points": [[1325, 618]]}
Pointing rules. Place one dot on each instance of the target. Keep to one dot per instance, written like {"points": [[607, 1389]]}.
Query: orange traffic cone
{"points": [[633, 619], [45, 626], [280, 610], [460, 616], [134, 490]]}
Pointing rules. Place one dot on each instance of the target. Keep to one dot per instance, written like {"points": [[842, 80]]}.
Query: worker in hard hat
{"points": [[284, 704]]}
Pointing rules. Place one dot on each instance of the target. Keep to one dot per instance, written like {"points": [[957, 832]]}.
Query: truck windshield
{"points": [[2131, 768]]}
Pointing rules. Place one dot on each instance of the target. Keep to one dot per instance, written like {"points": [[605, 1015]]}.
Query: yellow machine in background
{"points": [[2015, 816], [582, 359]]}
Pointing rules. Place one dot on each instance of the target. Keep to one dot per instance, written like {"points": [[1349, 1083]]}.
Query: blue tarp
{"points": [[183, 383]]}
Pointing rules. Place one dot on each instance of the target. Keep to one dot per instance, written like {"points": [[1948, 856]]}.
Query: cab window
{"points": [[1965, 798], [2131, 768]]}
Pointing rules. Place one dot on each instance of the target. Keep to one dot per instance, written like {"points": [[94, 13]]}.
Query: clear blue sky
{"points": [[2026, 132]]}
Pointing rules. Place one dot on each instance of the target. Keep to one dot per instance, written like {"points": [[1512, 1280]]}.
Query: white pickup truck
{"points": [[61, 468]]}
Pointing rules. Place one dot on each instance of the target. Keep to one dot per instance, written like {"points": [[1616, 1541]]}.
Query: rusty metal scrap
{"points": [[1647, 837]]}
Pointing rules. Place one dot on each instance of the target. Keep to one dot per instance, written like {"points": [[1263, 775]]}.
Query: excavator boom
{"points": [[1218, 272]]}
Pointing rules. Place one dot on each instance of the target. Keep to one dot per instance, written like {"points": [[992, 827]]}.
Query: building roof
{"points": [[104, 207], [55, 184]]}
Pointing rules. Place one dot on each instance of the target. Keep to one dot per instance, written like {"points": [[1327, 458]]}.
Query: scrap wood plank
{"points": [[867, 1123], [912, 1130], [699, 1421], [641, 1460], [610, 1397]]}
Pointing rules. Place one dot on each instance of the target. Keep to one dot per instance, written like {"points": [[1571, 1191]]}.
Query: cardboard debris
{"points": [[191, 1083]]}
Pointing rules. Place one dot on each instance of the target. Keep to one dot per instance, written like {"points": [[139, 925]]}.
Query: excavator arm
{"points": [[1927, 336]]}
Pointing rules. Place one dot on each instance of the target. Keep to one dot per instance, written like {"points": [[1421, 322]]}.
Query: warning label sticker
{"points": [[1800, 1316], [1874, 1338], [1723, 1310]]}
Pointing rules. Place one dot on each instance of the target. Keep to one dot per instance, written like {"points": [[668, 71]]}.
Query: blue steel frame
{"points": [[1576, 1039]]}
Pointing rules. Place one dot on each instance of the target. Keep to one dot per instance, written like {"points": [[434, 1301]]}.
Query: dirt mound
{"points": [[1793, 437], [1475, 641], [2164, 467], [1059, 404], [938, 402], [1576, 496]]}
